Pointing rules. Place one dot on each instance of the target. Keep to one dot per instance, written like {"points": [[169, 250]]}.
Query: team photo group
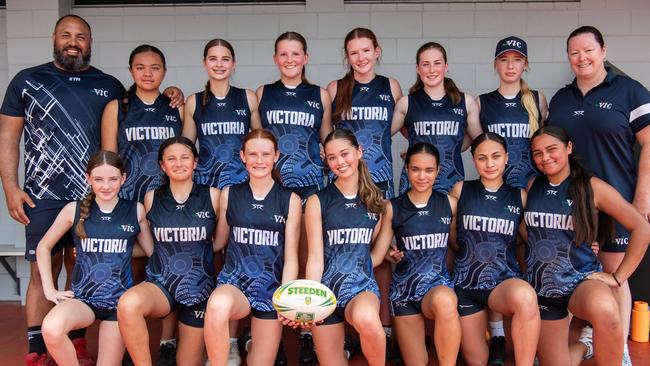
{"points": [[196, 208]]}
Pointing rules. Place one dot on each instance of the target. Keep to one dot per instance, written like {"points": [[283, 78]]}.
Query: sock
{"points": [[496, 329], [35, 340], [388, 330], [233, 340], [165, 342], [77, 333]]}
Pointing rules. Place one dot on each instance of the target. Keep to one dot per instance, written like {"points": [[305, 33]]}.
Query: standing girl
{"points": [[105, 229], [221, 115], [421, 220], [342, 220], [486, 271], [259, 220], [180, 273], [562, 221], [435, 111]]}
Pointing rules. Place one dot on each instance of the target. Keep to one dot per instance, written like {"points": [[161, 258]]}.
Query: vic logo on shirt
{"points": [[169, 118], [203, 215], [313, 104], [384, 97], [128, 228], [279, 219], [605, 105], [101, 92], [513, 209], [240, 112], [459, 111], [445, 220]]}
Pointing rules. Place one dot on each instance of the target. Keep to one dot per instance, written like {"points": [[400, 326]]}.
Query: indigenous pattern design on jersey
{"points": [[141, 131], [509, 119], [183, 259], [442, 124], [602, 125], [347, 234], [102, 272], [294, 117], [488, 224], [555, 264], [255, 252], [221, 126], [422, 235], [62, 112], [370, 119]]}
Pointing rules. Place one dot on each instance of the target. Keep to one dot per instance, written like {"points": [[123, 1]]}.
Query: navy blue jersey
{"points": [[487, 227], [509, 119], [141, 131], [555, 263], [370, 119], [62, 112], [294, 117], [602, 126], [183, 259], [255, 252], [442, 124], [422, 235], [347, 235], [221, 126], [102, 272]]}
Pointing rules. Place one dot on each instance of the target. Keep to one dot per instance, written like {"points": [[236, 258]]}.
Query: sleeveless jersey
{"points": [[555, 264], [102, 272], [442, 124], [508, 118], [255, 252], [221, 127], [294, 117], [183, 259], [487, 226], [62, 112], [370, 119], [347, 235], [141, 131], [422, 235]]}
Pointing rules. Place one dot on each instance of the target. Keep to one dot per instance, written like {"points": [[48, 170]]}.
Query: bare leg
{"points": [[441, 305], [553, 346], [66, 316], [328, 340], [410, 337], [362, 312], [190, 346], [111, 346], [226, 303], [622, 294], [266, 335], [473, 344]]}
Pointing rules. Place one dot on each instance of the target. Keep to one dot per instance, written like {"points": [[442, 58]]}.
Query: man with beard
{"points": [[59, 106]]}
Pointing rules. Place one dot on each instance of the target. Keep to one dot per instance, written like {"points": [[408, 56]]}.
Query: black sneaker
{"points": [[393, 353], [126, 360], [306, 355], [244, 341], [497, 350], [167, 355], [351, 347], [281, 357]]}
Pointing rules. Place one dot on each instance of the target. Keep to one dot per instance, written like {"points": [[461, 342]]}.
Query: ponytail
{"points": [[452, 91], [585, 215], [369, 194], [84, 211], [125, 100], [528, 101], [206, 95], [343, 99]]}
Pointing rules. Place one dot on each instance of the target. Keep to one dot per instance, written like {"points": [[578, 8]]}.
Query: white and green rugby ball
{"points": [[304, 301]]}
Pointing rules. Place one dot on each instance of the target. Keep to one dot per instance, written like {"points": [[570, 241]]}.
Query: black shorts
{"points": [[191, 315], [471, 301], [102, 313], [403, 308], [304, 193], [41, 218], [265, 315], [338, 316], [553, 308]]}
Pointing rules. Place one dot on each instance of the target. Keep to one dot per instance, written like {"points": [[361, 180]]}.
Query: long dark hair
{"points": [[213, 43], [422, 148], [488, 136], [293, 36], [136, 51], [345, 86], [450, 87], [584, 212], [161, 153], [369, 194], [101, 157], [263, 134]]}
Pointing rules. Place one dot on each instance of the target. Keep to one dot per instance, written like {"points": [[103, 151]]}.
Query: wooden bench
{"points": [[7, 251]]}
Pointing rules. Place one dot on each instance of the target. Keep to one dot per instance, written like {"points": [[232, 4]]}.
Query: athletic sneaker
{"points": [[351, 347], [497, 350], [587, 338], [627, 361], [34, 359], [83, 356], [307, 355], [233, 355], [281, 357], [126, 360], [166, 355]]}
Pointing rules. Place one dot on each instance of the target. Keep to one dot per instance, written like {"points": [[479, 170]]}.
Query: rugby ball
{"points": [[304, 301]]}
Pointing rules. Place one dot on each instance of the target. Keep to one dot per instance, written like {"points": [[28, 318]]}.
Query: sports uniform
{"points": [[602, 127], [442, 124], [508, 118], [556, 265], [370, 119], [221, 126], [422, 234], [182, 264], [102, 272], [141, 131], [488, 224], [255, 252], [62, 113]]}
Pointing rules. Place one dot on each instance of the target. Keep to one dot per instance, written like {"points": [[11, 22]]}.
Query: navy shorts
{"points": [[265, 315], [553, 308], [404, 308], [41, 218], [191, 315], [102, 313], [338, 316], [304, 193], [471, 301]]}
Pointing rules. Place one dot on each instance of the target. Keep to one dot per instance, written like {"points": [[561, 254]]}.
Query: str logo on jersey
{"points": [[221, 105], [150, 109], [489, 197], [578, 113], [550, 192], [289, 94], [257, 206], [423, 213], [180, 207], [313, 104], [203, 214], [384, 97], [350, 205], [459, 111], [128, 228], [365, 89], [101, 92], [605, 105], [436, 104], [280, 219], [74, 78], [106, 218], [511, 105], [446, 220]]}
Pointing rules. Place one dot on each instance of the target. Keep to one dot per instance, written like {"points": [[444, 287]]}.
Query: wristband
{"points": [[616, 279]]}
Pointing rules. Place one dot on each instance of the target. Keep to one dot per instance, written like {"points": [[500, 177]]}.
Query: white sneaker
{"points": [[233, 355], [587, 338], [627, 361]]}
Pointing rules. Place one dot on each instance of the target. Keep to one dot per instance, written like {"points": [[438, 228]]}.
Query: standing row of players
{"points": [[299, 116]]}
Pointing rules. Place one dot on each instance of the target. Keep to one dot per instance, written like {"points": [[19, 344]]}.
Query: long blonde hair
{"points": [[529, 103]]}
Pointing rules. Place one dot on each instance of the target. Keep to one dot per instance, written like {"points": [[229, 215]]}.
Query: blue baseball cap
{"points": [[511, 43]]}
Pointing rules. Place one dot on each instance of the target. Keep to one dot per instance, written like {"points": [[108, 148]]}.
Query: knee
{"points": [[445, 307], [53, 330], [525, 301], [218, 310], [130, 306], [607, 316], [367, 323]]}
